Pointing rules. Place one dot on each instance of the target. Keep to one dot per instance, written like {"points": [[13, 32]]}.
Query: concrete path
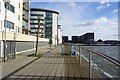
{"points": [[21, 59], [51, 66]]}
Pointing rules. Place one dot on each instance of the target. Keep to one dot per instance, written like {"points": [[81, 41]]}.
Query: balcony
{"points": [[36, 28], [37, 19], [25, 25], [48, 17], [48, 21], [26, 6], [25, 15], [36, 22], [48, 25]]}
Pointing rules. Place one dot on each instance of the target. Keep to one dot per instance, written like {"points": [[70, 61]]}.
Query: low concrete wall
{"points": [[0, 35], [19, 37], [23, 43], [28, 46]]}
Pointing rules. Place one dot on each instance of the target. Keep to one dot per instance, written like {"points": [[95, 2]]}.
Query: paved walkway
{"points": [[51, 66]]}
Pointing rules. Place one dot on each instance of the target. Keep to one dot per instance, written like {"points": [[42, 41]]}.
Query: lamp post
{"points": [[6, 2]]}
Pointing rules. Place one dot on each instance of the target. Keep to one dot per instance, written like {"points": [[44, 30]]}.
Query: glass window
{"points": [[0, 6], [19, 5], [9, 24], [18, 17], [36, 14], [48, 13], [10, 7]]}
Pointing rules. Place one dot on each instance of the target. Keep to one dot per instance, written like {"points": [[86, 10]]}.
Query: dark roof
{"points": [[45, 10]]}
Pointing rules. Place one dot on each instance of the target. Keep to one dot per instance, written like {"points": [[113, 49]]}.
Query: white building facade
{"points": [[48, 24], [10, 15], [59, 35], [9, 12], [14, 29]]}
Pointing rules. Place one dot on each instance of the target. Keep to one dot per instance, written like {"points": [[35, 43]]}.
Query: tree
{"points": [[50, 42], [100, 40], [37, 35]]}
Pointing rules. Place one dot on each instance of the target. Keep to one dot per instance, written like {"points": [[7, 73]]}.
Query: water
{"points": [[111, 51], [103, 66]]}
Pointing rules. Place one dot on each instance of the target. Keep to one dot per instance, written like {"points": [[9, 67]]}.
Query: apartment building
{"points": [[17, 16], [9, 11], [59, 34], [24, 15], [48, 23], [14, 29], [9, 16]]}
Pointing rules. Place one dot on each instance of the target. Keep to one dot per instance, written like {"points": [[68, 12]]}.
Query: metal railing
{"points": [[104, 65]]}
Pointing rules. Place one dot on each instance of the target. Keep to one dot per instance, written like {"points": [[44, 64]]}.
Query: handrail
{"points": [[104, 56]]}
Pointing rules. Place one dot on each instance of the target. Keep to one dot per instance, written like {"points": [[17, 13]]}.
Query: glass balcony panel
{"points": [[25, 24]]}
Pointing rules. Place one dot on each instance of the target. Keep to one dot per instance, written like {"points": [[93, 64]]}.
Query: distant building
{"points": [[81, 39], [74, 39], [64, 39], [48, 23], [87, 38], [112, 42]]}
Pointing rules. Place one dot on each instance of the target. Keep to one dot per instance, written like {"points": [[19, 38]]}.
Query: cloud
{"points": [[89, 23], [101, 21], [102, 27], [115, 11], [115, 35], [103, 6], [72, 4], [103, 1]]}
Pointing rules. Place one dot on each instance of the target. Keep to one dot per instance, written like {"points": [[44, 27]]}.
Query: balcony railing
{"points": [[25, 15], [25, 25], [48, 21], [26, 6], [48, 25]]}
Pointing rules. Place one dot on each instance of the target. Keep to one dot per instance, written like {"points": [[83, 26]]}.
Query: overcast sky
{"points": [[77, 18]]}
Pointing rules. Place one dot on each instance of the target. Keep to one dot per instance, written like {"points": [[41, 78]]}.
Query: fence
{"points": [[100, 64], [13, 47]]}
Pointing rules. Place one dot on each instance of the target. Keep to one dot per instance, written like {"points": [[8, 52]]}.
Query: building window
{"points": [[18, 17], [10, 7], [37, 15], [18, 30], [48, 13], [19, 5], [9, 24], [0, 6]]}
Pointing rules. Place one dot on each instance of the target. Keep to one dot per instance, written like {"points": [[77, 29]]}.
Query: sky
{"points": [[78, 18]]}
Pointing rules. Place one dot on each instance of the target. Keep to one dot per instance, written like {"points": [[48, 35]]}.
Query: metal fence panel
{"points": [[22, 46]]}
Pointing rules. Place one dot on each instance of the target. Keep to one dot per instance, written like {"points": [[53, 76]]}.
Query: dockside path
{"points": [[51, 66]]}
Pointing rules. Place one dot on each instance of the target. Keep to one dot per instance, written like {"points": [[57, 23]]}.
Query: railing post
{"points": [[90, 67], [76, 51], [79, 55], [62, 52], [70, 48]]}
